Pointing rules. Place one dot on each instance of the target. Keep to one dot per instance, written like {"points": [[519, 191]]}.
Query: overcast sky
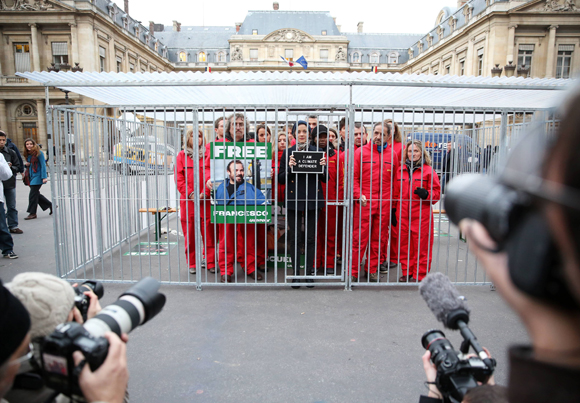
{"points": [[387, 16]]}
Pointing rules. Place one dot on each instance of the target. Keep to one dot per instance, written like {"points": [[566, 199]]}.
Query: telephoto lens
{"points": [[442, 352], [484, 199], [134, 307], [82, 302]]}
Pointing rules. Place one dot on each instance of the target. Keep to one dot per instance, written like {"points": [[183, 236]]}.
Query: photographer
{"points": [[549, 369], [50, 301]]}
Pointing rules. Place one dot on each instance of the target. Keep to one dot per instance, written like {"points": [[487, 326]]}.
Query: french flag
{"points": [[291, 64]]}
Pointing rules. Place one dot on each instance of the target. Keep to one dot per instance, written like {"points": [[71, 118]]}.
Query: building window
{"points": [[22, 57], [119, 64], [447, 69], [356, 57], [30, 131], [289, 54], [324, 55], [375, 58], [201, 58], [182, 56], [564, 61], [254, 32], [131, 67], [462, 67], [436, 72], [102, 58], [525, 53], [394, 57], [60, 53], [221, 57], [323, 32], [480, 62], [253, 55]]}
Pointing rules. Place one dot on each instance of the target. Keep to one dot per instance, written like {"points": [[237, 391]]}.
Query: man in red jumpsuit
{"points": [[420, 189], [374, 178], [329, 218], [235, 240]]}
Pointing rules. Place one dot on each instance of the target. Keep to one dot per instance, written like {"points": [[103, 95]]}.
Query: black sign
{"points": [[308, 162]]}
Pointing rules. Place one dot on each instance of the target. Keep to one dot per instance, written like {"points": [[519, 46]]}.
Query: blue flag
{"points": [[302, 61]]}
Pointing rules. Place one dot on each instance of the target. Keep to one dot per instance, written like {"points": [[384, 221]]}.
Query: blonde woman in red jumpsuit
{"points": [[420, 188], [185, 177]]}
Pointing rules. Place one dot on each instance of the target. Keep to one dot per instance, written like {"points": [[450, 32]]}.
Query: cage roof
{"points": [[306, 89]]}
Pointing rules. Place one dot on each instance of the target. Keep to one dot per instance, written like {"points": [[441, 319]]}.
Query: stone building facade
{"points": [[38, 35], [535, 38]]}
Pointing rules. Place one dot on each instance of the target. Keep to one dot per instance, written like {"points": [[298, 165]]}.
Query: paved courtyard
{"points": [[279, 345]]}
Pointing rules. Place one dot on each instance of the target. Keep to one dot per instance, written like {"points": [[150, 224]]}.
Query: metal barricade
{"points": [[302, 197]]}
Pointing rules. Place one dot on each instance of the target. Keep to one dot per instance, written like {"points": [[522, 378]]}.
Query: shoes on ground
{"points": [[354, 279], [384, 268], [373, 276], [50, 211], [10, 255], [329, 270], [192, 270], [295, 281], [16, 231], [405, 279], [262, 268], [255, 276], [230, 279], [30, 217], [311, 281], [212, 270]]}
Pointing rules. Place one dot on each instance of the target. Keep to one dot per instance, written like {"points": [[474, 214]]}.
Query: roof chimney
{"points": [[359, 27], [176, 26], [460, 3], [151, 27], [238, 26], [276, 6], [127, 6]]}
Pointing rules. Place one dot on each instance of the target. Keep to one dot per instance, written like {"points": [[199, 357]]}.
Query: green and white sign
{"points": [[241, 214]]}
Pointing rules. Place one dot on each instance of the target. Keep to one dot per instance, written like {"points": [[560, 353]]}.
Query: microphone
{"points": [[449, 308]]}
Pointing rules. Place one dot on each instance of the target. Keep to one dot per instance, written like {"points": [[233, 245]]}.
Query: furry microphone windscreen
{"points": [[441, 296]]}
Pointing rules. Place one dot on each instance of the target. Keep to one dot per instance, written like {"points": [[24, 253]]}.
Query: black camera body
{"points": [[455, 375], [82, 302], [57, 356]]}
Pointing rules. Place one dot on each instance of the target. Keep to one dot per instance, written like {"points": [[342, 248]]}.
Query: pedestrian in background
{"points": [[10, 185], [6, 241], [36, 166], [420, 188]]}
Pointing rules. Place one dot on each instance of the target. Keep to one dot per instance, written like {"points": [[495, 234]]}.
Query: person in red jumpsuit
{"points": [[329, 219], [390, 260], [374, 175], [263, 135], [239, 238], [185, 180], [420, 188]]}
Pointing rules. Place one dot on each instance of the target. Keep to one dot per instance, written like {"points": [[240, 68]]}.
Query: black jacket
{"points": [[13, 147], [303, 191], [10, 157]]}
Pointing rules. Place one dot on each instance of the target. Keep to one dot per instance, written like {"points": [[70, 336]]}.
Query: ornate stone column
{"points": [[35, 52], [3, 117], [469, 57], [511, 42], [551, 51], [42, 136], [74, 41]]}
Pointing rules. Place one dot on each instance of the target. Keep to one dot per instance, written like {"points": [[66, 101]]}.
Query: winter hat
{"points": [[47, 298], [14, 323]]}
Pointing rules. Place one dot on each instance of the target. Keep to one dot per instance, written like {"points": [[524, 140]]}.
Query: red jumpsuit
{"points": [[329, 232], [184, 177], [417, 216], [235, 240], [396, 148], [374, 177]]}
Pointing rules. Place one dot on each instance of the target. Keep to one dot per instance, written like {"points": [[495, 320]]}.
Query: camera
{"points": [[456, 375], [134, 307], [82, 302], [507, 205]]}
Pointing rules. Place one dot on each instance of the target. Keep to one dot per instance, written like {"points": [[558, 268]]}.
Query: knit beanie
{"points": [[14, 323], [48, 299]]}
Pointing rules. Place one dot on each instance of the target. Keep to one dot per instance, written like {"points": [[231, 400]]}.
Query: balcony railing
{"points": [[11, 80]]}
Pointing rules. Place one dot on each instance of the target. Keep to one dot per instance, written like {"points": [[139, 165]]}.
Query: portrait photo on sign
{"points": [[241, 181]]}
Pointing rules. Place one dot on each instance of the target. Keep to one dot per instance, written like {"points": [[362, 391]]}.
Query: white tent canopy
{"points": [[306, 89]]}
